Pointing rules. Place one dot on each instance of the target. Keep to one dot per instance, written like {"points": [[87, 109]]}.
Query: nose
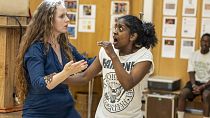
{"points": [[115, 31], [66, 18]]}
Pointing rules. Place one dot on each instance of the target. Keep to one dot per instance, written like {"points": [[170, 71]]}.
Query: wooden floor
{"points": [[11, 115]]}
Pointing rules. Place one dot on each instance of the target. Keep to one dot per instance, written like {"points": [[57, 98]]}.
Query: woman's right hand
{"points": [[75, 67]]}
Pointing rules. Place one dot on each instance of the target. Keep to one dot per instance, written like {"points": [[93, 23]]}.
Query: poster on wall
{"points": [[205, 26], [72, 18], [206, 8], [71, 5], [170, 7], [169, 26], [72, 14], [189, 7], [86, 25], [169, 47], [119, 7], [72, 31], [187, 47], [188, 27], [87, 11], [87, 16]]}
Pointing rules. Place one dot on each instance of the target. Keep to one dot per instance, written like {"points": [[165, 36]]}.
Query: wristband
{"points": [[194, 85]]}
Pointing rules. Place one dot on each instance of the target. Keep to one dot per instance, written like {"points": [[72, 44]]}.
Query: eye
{"points": [[120, 29], [62, 15]]}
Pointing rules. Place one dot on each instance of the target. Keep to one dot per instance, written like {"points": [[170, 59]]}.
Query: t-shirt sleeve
{"points": [[190, 66], [34, 62], [101, 53], [146, 56]]}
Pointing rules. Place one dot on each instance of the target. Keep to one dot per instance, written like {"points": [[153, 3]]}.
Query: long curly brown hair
{"points": [[40, 28]]}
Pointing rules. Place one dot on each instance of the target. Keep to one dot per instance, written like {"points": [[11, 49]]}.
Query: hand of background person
{"points": [[196, 90], [75, 67], [108, 48]]}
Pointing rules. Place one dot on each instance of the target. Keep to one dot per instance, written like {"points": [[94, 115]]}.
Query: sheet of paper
{"points": [[119, 7], [87, 11], [86, 25], [206, 8], [189, 8], [205, 25], [72, 30], [170, 7], [169, 26], [169, 47], [188, 27], [187, 47]]}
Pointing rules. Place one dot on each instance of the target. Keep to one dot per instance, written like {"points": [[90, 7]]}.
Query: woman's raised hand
{"points": [[75, 67]]}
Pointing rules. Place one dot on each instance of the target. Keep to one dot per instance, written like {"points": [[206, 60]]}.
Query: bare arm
{"points": [[127, 80], [192, 77], [87, 75]]}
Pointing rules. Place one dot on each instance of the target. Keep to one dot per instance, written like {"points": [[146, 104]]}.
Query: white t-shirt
{"points": [[115, 101], [200, 64]]}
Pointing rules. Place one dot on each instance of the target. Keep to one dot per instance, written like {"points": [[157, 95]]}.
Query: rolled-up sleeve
{"points": [[34, 62]]}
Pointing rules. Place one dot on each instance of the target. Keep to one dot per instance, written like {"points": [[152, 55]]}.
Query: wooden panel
{"points": [[176, 67], [9, 47], [2, 66]]}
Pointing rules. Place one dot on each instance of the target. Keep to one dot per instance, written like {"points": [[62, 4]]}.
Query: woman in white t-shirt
{"points": [[125, 64]]}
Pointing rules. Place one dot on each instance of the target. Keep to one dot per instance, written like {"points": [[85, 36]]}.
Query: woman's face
{"points": [[60, 20], [121, 34]]}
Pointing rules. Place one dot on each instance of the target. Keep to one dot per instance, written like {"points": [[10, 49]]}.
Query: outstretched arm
{"points": [[87, 75]]}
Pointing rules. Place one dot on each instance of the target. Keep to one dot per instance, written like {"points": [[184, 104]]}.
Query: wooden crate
{"points": [[82, 104]]}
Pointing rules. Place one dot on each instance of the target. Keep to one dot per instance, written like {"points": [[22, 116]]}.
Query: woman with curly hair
{"points": [[44, 61]]}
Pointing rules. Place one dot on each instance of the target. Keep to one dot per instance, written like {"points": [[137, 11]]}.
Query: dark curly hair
{"points": [[145, 30]]}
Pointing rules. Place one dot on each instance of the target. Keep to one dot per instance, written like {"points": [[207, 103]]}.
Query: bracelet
{"points": [[194, 85]]}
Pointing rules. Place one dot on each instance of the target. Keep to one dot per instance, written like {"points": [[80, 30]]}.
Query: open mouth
{"points": [[66, 26], [115, 40]]}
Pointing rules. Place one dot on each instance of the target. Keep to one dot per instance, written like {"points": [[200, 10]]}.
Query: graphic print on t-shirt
{"points": [[116, 98]]}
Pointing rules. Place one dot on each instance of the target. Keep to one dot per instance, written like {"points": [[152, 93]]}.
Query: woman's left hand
{"points": [[108, 48]]}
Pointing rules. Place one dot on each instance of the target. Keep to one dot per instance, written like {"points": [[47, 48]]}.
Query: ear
{"points": [[133, 36]]}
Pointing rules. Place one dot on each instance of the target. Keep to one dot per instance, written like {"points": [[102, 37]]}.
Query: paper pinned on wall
{"points": [[188, 27], [170, 7], [169, 26], [119, 7], [87, 11], [189, 8], [205, 26], [187, 47], [17, 8], [169, 47], [86, 25], [206, 8], [72, 30]]}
